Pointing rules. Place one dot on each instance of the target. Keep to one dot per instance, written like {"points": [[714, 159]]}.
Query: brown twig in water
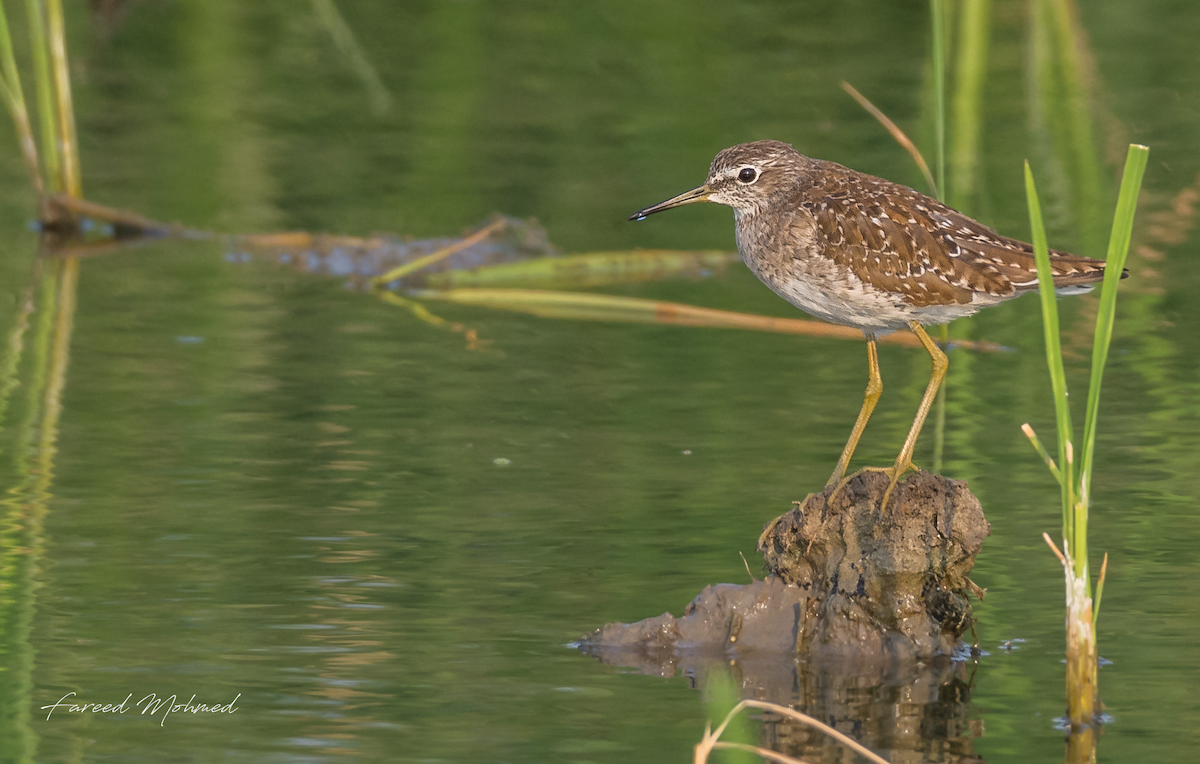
{"points": [[78, 207]]}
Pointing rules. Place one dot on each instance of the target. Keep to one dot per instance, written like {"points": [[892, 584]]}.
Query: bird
{"points": [[853, 249]]}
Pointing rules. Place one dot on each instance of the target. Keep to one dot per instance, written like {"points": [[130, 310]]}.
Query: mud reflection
{"points": [[917, 711]]}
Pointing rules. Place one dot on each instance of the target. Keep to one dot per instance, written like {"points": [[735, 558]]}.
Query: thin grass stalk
{"points": [[1118, 251], [14, 100], [43, 79], [897, 134], [1090, 182], [970, 72], [765, 753], [1042, 452], [343, 38], [72, 178], [939, 46], [939, 412], [1058, 376], [938, 14]]}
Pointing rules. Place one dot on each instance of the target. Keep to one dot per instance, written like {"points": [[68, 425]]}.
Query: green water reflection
{"points": [[267, 484]]}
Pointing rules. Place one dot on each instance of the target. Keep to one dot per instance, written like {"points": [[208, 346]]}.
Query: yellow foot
{"points": [[894, 474]]}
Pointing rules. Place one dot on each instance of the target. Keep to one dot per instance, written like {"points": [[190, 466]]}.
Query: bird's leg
{"points": [[904, 460], [874, 389]]}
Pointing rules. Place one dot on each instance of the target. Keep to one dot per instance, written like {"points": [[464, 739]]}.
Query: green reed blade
{"points": [[1042, 452], [72, 178], [1058, 376], [44, 82], [1118, 251]]}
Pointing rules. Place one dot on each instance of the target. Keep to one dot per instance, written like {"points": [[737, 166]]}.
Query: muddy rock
{"points": [[845, 580], [884, 583], [763, 616]]}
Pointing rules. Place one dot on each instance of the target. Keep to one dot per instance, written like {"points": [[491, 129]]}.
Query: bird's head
{"points": [[746, 177]]}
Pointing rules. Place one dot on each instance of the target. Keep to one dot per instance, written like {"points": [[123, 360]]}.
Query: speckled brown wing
{"points": [[905, 243]]}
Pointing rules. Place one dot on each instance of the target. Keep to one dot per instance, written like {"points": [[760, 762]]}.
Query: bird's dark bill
{"points": [[698, 194]]}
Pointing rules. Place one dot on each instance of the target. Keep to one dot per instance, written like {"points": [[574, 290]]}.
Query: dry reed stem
{"points": [[1082, 658], [766, 753], [748, 573], [1053, 548], [711, 737], [603, 307], [896, 132], [441, 254]]}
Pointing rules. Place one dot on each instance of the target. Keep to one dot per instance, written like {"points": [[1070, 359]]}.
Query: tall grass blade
{"points": [[970, 72], [938, 13], [72, 177], [1058, 376], [1089, 178], [1118, 250], [44, 83]]}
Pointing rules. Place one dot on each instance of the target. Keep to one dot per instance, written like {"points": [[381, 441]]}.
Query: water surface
{"points": [[381, 538]]}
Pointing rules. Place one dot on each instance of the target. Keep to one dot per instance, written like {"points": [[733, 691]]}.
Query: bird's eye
{"points": [[747, 175]]}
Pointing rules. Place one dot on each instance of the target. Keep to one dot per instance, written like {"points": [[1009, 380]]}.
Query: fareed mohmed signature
{"points": [[150, 705]]}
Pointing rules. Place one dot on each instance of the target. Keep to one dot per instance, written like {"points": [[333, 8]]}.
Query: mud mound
{"points": [[846, 580]]}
